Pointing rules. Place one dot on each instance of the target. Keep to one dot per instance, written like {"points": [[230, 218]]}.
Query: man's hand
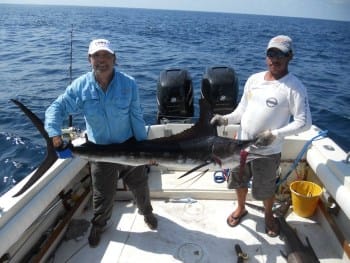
{"points": [[57, 142], [218, 120], [265, 138]]}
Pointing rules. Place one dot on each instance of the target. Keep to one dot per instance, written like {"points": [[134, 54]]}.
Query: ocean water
{"points": [[35, 58]]}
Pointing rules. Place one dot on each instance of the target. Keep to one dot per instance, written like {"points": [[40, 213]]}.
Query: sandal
{"points": [[233, 221], [272, 229]]}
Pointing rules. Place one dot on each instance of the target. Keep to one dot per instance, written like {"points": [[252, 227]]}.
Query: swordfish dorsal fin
{"points": [[51, 156], [202, 128]]}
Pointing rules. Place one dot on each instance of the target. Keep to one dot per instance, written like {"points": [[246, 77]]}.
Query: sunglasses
{"points": [[276, 54]]}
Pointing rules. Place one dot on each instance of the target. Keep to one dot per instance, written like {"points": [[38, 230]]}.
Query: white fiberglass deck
{"points": [[191, 229]]}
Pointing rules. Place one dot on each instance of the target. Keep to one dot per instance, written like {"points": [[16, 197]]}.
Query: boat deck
{"points": [[192, 228]]}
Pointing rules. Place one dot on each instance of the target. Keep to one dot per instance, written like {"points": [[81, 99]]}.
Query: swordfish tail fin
{"points": [[51, 155]]}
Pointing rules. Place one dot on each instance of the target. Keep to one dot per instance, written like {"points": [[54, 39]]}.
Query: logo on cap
{"points": [[100, 44]]}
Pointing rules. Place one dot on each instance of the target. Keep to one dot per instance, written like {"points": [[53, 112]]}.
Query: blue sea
{"points": [[36, 55]]}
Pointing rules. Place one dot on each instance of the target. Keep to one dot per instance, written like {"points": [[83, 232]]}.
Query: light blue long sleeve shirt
{"points": [[110, 117]]}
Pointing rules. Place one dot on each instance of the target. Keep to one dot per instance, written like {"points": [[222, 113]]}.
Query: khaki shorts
{"points": [[262, 172]]}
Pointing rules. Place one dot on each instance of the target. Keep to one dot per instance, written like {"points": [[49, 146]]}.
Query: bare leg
{"points": [[241, 197], [268, 203], [271, 224], [235, 217]]}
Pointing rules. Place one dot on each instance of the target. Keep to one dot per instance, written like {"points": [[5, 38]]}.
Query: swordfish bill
{"points": [[191, 149]]}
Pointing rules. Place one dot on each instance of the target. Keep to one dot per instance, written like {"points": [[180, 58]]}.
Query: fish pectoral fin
{"points": [[196, 168]]}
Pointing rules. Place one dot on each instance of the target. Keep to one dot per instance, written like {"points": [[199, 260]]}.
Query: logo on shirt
{"points": [[271, 102]]}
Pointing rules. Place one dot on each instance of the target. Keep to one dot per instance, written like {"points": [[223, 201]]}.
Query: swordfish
{"points": [[195, 147]]}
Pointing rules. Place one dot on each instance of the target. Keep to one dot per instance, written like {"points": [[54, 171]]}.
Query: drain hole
{"points": [[190, 252]]}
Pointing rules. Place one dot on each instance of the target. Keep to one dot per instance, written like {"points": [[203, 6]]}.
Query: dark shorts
{"points": [[261, 172]]}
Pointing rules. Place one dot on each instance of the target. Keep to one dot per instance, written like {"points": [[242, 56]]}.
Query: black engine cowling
{"points": [[174, 95], [220, 89]]}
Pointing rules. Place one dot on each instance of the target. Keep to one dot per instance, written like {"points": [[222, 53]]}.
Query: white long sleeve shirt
{"points": [[280, 106]]}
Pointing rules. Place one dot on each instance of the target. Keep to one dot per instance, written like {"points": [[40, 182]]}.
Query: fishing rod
{"points": [[69, 132], [70, 118]]}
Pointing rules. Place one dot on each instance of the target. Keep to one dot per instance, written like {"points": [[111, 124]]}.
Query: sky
{"points": [[323, 9]]}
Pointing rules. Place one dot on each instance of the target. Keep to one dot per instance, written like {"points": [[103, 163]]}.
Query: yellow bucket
{"points": [[305, 196]]}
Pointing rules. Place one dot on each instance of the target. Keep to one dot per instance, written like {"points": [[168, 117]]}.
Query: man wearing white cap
{"points": [[274, 105], [109, 101]]}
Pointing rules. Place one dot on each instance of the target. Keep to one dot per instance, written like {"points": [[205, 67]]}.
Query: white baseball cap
{"points": [[283, 43], [100, 44]]}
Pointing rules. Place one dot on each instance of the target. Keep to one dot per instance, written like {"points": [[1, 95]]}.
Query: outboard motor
{"points": [[174, 96], [220, 89]]}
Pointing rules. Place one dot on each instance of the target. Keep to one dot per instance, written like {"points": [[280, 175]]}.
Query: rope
{"points": [[320, 135]]}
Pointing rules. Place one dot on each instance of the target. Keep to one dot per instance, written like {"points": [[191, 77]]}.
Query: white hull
{"points": [[192, 213]]}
